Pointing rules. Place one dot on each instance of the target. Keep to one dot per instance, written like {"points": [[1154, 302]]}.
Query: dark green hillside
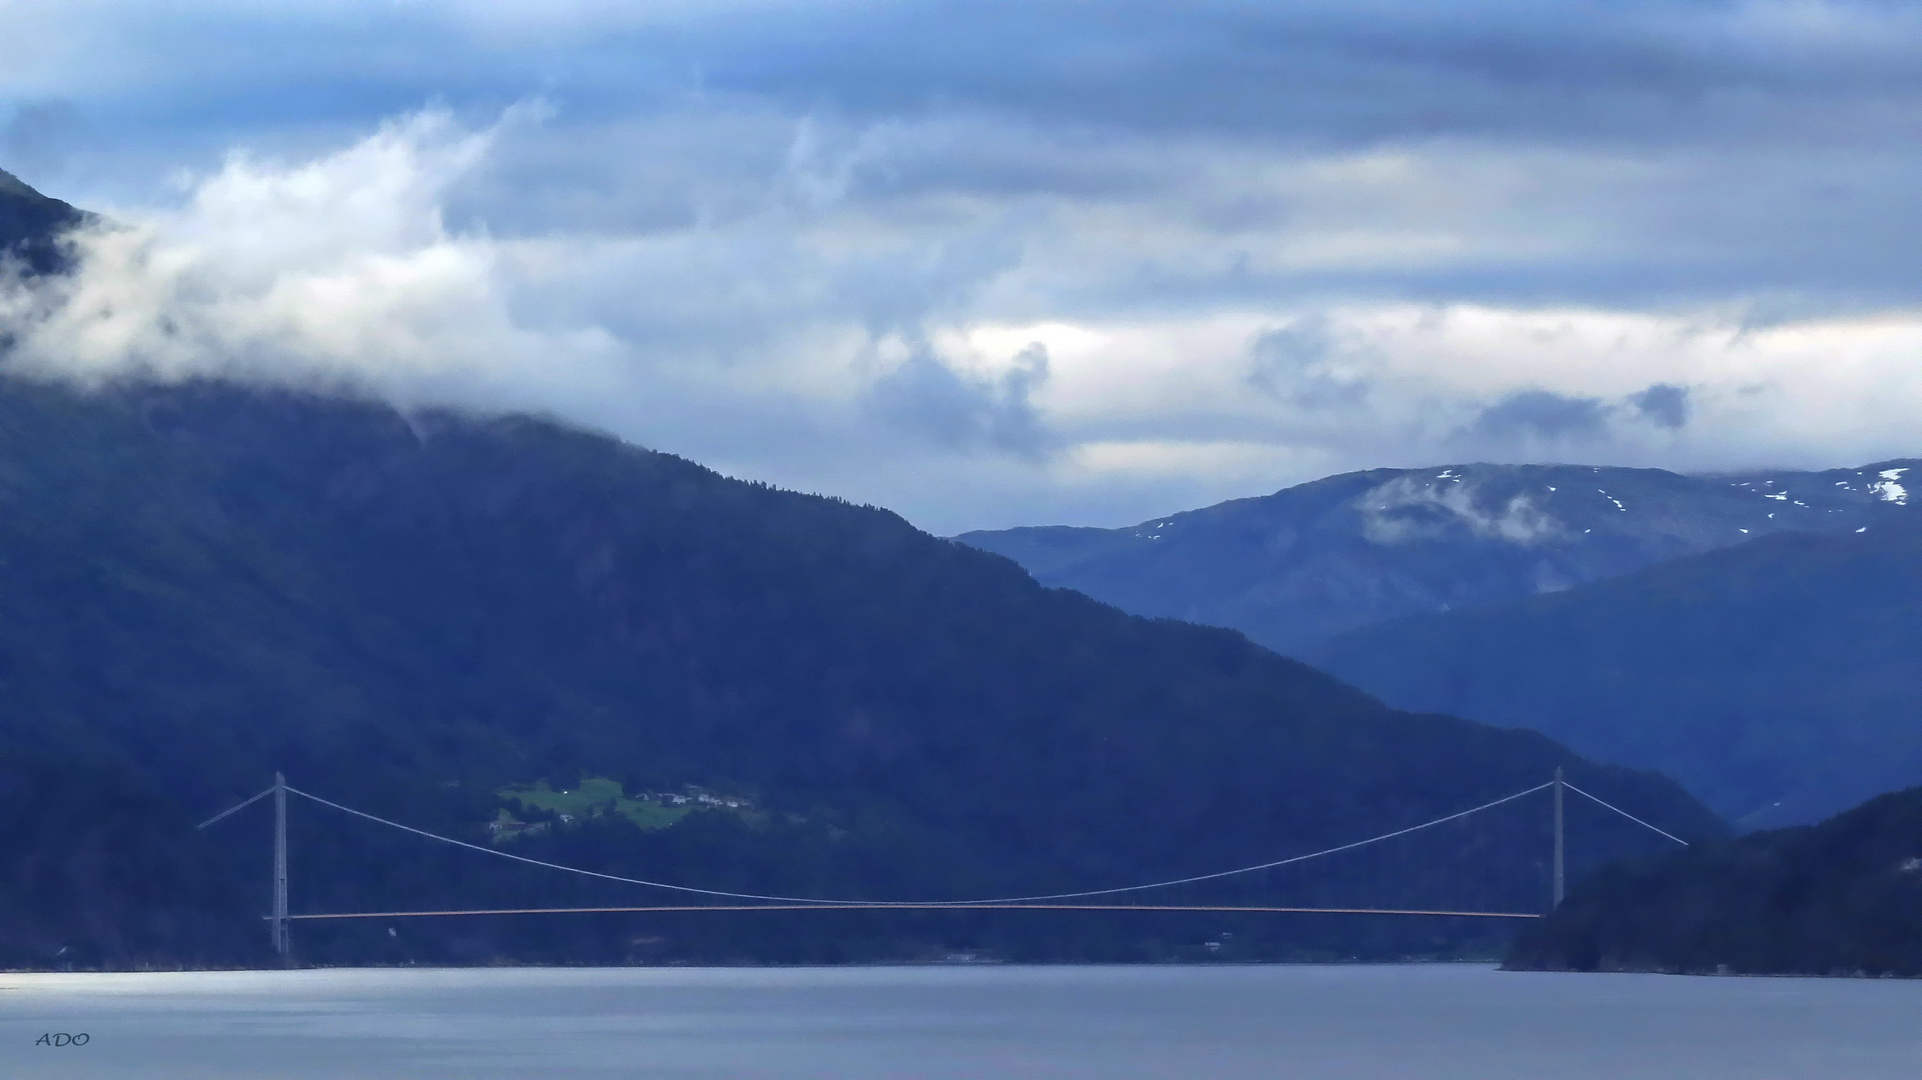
{"points": [[1840, 898], [410, 614], [1780, 680]]}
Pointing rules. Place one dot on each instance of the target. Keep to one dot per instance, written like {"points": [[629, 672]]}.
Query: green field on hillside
{"points": [[594, 796]]}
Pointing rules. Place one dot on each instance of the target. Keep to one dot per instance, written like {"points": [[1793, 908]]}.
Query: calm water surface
{"points": [[958, 1023]]}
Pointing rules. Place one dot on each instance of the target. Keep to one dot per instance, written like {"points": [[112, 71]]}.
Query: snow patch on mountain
{"points": [[1888, 489]]}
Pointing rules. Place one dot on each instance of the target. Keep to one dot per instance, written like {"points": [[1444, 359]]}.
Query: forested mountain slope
{"points": [[1780, 680], [1840, 898], [201, 584], [1297, 567]]}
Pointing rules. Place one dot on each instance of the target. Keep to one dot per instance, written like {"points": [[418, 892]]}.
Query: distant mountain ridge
{"points": [[1780, 680], [1295, 568]]}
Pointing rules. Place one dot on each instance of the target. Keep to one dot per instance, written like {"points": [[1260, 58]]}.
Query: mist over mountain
{"points": [[1780, 680], [1297, 567], [412, 613]]}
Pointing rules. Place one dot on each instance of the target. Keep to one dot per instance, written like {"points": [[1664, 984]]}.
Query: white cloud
{"points": [[335, 269], [841, 306]]}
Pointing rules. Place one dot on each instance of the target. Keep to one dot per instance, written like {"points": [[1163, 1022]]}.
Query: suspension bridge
{"points": [[1086, 900]]}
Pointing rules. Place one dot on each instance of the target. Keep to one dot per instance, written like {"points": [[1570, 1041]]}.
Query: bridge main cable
{"points": [[1624, 813], [986, 902], [236, 808]]}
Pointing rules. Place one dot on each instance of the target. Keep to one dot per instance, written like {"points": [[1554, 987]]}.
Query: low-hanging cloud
{"points": [[1408, 509], [334, 270]]}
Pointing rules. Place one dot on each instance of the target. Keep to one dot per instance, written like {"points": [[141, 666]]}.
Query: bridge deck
{"points": [[885, 906]]}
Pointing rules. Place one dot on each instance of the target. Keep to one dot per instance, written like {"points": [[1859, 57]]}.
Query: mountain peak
{"points": [[31, 225]]}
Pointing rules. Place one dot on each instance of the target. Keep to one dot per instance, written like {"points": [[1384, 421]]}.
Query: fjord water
{"points": [[1434, 1022]]}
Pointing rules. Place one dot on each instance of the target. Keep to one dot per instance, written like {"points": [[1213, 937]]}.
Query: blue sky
{"points": [[997, 263]]}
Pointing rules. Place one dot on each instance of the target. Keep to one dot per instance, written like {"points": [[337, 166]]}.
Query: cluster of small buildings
{"points": [[506, 828], [699, 798]]}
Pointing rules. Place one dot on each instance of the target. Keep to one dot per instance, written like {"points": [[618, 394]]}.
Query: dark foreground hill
{"points": [[420, 614], [1294, 568], [1780, 680], [99, 869], [1840, 898]]}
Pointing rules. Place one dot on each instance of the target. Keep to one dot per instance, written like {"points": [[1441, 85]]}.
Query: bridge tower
{"points": [[280, 868], [1560, 865]]}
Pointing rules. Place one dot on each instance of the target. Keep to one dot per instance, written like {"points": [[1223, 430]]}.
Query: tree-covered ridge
{"points": [[203, 584], [1840, 898]]}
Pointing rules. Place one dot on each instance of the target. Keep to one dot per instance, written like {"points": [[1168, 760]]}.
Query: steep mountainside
{"points": [[1840, 898], [1781, 680], [1295, 568], [31, 222], [202, 584]]}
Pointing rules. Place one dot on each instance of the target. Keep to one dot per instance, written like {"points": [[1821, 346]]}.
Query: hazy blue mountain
{"points": [[30, 224], [1297, 567], [1840, 898], [1781, 680], [201, 584]]}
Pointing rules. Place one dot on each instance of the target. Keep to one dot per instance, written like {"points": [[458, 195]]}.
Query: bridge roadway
{"points": [[903, 906]]}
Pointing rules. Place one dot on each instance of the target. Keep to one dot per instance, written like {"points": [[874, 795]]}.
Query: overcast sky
{"points": [[991, 263]]}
